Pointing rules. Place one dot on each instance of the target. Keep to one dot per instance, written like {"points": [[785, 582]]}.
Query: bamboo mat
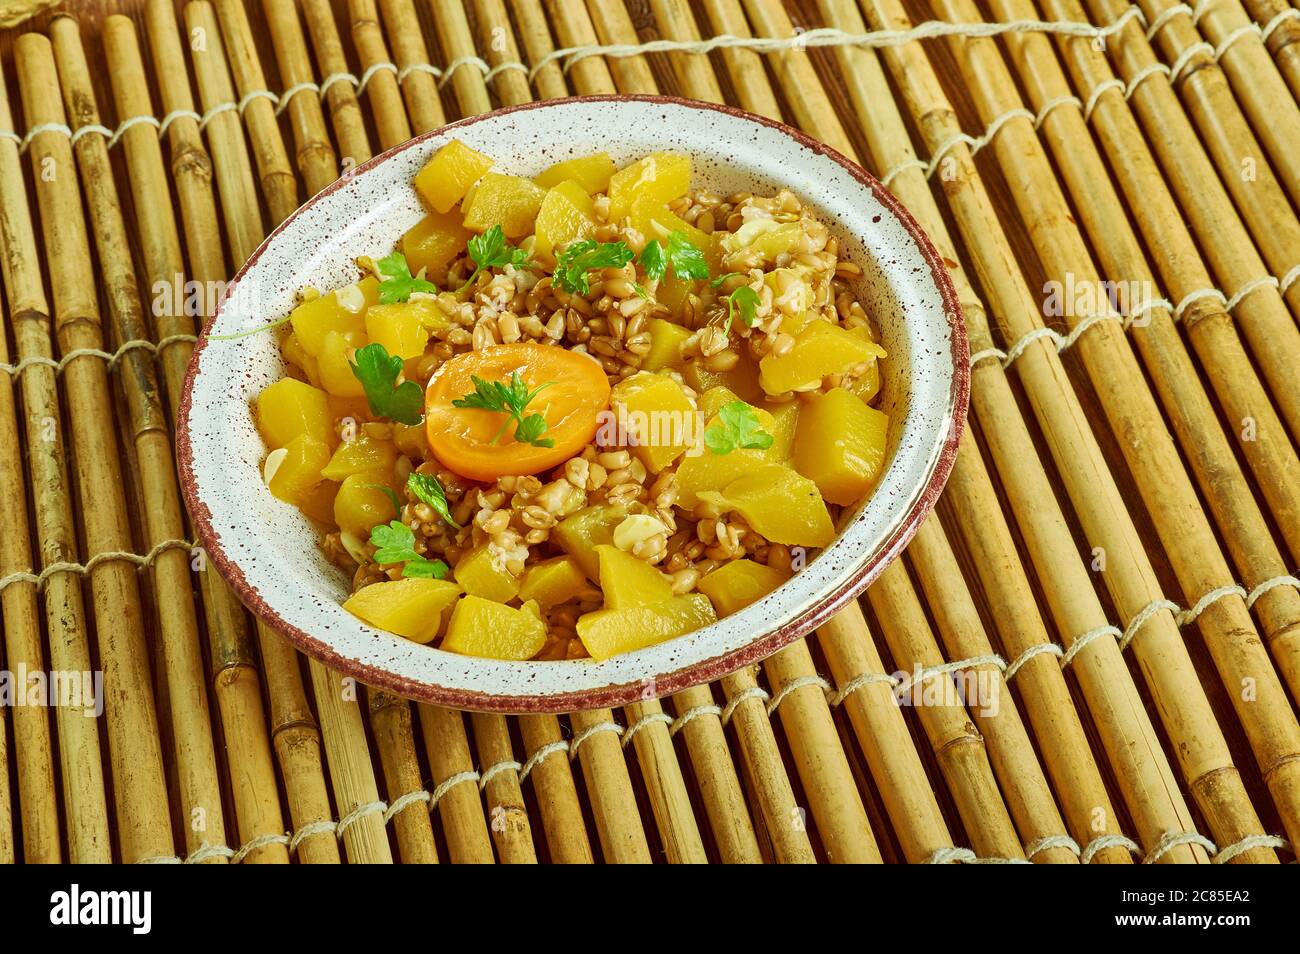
{"points": [[1117, 544]]}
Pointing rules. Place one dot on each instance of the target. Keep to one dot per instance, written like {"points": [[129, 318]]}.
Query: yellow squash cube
{"points": [[820, 349], [781, 425], [666, 341], [511, 202], [553, 581], [298, 357], [448, 175], [491, 630], [609, 632], [341, 310], [658, 414], [565, 214], [288, 408], [710, 472], [361, 505], [591, 172], [712, 400], [318, 503], [742, 380], [364, 455], [659, 177], [627, 581], [672, 292], [482, 573], [579, 534], [779, 504], [654, 220], [840, 445], [408, 607], [335, 364], [735, 585], [403, 327], [299, 470], [433, 243]]}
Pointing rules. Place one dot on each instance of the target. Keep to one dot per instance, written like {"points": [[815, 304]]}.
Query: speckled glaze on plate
{"points": [[269, 552]]}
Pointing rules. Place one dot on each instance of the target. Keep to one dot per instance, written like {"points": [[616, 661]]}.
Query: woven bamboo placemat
{"points": [[1116, 544]]}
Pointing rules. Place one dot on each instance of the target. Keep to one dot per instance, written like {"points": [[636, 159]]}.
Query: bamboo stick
{"points": [[693, 71], [461, 807], [8, 851], [80, 765], [355, 793], [1151, 791], [1263, 97], [531, 21], [385, 95], [1190, 543], [613, 25], [452, 27], [778, 809], [1283, 39], [498, 42], [745, 67], [346, 116], [511, 831], [297, 740], [1130, 578], [622, 839], [669, 801], [274, 172], [1246, 533], [190, 719], [557, 798], [139, 789], [590, 76], [315, 157], [715, 776], [393, 728], [423, 104]]}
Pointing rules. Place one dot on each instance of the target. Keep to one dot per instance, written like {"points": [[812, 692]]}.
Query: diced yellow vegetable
{"points": [[608, 632], [777, 241], [553, 581], [411, 440], [665, 345], [355, 409], [657, 412], [867, 384], [299, 469], [360, 505], [491, 630], [341, 310], [297, 356], [374, 459], [509, 201], [820, 349], [784, 420], [482, 573], [627, 581], [408, 607], [779, 504], [433, 243], [791, 290], [712, 400], [288, 408], [403, 327], [566, 214], [659, 177], [591, 172], [840, 445], [735, 585], [448, 175], [318, 503], [742, 379], [710, 472], [580, 534], [335, 364], [654, 220], [673, 292]]}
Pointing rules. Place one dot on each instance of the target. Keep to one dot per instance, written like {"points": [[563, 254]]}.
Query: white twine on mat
{"points": [[492, 771], [1174, 839], [861, 680], [800, 682], [691, 714], [84, 569], [547, 750], [1102, 842], [649, 718], [1039, 649], [112, 357], [753, 692], [1165, 16], [1291, 13], [588, 732], [445, 786], [1048, 842]]}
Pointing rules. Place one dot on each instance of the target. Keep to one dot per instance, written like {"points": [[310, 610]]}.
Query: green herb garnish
{"points": [[396, 283], [686, 258], [742, 301], [510, 398], [378, 371], [395, 543], [653, 261], [717, 282], [580, 257], [426, 488], [738, 427], [390, 494], [491, 250]]}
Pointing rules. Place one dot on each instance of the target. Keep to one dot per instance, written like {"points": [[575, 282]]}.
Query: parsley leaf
{"points": [[396, 544], [738, 427], [491, 250], [717, 282], [378, 371], [426, 488], [687, 259], [510, 398], [582, 256], [745, 301], [390, 494], [653, 261], [397, 283]]}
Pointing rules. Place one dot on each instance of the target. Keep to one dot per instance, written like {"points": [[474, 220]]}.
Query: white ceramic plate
{"points": [[269, 552]]}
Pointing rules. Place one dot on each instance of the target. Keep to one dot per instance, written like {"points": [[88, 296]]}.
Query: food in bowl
{"points": [[576, 415]]}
